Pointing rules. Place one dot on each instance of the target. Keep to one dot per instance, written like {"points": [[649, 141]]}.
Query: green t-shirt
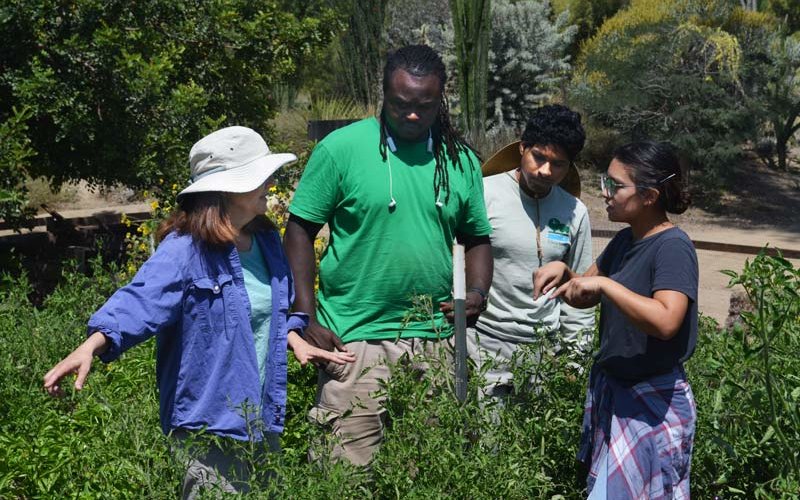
{"points": [[378, 258]]}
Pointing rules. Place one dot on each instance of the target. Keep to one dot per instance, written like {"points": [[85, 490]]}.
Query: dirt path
{"points": [[762, 208], [714, 294]]}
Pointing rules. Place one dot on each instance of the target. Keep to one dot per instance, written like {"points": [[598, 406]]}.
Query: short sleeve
{"points": [[606, 258], [473, 220], [319, 189], [675, 268]]}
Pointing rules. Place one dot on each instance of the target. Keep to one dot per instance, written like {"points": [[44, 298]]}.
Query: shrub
{"points": [[673, 71], [748, 431], [119, 91], [15, 156], [105, 441], [527, 59]]}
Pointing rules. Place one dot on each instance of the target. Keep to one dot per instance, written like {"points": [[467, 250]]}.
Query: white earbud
{"points": [[393, 148]]}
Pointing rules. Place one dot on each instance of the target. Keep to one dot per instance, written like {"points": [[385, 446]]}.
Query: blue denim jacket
{"points": [[192, 298]]}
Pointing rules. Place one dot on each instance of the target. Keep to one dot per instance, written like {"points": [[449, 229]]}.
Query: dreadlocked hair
{"points": [[419, 61]]}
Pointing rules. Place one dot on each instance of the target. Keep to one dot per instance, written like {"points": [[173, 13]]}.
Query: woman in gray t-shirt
{"points": [[639, 419]]}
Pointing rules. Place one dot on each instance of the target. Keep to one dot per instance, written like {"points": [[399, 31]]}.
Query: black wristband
{"points": [[478, 291], [484, 297]]}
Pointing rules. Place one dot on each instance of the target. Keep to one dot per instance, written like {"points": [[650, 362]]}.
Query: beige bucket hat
{"points": [[508, 158], [232, 160]]}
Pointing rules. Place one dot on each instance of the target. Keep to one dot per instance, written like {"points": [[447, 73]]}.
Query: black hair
{"points": [[656, 165], [555, 125], [421, 60]]}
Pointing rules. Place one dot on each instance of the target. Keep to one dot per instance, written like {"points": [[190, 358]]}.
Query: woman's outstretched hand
{"points": [[307, 353], [78, 362]]}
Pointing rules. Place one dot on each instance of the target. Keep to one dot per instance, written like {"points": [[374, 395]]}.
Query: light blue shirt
{"points": [[256, 282]]}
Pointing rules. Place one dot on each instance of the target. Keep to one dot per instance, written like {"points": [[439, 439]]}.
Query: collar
{"points": [[393, 146]]}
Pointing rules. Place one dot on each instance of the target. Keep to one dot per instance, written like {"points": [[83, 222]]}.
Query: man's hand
{"points": [[549, 276], [319, 336], [473, 304]]}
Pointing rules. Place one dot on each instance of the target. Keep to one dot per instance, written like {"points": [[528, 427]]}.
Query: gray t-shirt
{"points": [[664, 261], [565, 235]]}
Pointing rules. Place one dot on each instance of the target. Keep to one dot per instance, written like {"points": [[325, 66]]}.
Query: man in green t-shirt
{"points": [[395, 191]]}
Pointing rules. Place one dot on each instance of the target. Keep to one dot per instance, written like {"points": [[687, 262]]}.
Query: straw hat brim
{"points": [[241, 179], [509, 158]]}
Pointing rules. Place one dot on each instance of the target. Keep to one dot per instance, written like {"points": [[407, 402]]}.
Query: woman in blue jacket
{"points": [[216, 294]]}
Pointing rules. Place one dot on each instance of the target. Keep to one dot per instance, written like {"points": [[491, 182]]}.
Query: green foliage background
{"points": [[118, 91], [528, 59], [105, 441]]}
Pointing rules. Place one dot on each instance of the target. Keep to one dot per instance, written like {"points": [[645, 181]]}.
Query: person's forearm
{"points": [[479, 264], [299, 246], [96, 343], [293, 339], [647, 314]]}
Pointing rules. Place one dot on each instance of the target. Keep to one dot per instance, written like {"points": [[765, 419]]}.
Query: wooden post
{"points": [[459, 303]]}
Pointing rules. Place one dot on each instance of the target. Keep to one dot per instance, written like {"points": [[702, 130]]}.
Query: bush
{"points": [[15, 156], [675, 71], [527, 59], [105, 442], [749, 424], [119, 91]]}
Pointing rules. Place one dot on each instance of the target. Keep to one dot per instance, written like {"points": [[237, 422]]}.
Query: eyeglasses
{"points": [[609, 186]]}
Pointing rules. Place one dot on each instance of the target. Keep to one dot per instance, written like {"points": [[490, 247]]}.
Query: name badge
{"points": [[558, 238]]}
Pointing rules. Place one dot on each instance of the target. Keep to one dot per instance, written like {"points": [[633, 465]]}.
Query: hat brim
{"points": [[241, 179], [509, 158]]}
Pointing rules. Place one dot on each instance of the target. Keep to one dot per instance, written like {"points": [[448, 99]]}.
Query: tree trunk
{"points": [[362, 49], [472, 23]]}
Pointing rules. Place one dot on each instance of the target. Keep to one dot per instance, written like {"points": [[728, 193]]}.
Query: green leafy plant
{"points": [[772, 284], [15, 156], [119, 91], [528, 59], [747, 384], [105, 441]]}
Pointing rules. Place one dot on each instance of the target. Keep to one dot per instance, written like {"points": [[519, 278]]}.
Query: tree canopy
{"points": [[117, 91], [677, 70]]}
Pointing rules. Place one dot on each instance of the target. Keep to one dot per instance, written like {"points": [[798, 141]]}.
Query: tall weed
{"points": [[749, 424]]}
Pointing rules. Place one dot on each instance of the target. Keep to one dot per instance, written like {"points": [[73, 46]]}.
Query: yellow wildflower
{"points": [[154, 205]]}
